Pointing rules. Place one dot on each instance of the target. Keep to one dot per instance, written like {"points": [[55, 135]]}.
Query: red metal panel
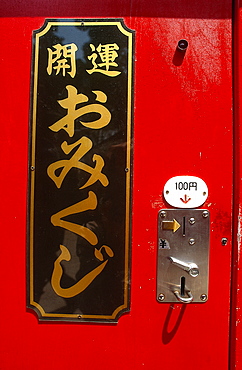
{"points": [[236, 314], [183, 126], [188, 118]]}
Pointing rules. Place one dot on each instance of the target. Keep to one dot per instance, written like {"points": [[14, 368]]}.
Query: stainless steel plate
{"points": [[183, 255]]}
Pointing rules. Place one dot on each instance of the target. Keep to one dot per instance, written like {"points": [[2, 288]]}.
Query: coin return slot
{"points": [[183, 283]]}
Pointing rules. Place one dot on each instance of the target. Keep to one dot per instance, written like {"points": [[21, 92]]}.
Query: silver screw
{"points": [[203, 297], [205, 214], [32, 168], [194, 272], [162, 214], [192, 221], [161, 297], [192, 241]]}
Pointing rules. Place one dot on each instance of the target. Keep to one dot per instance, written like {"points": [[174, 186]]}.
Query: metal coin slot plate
{"points": [[183, 255]]}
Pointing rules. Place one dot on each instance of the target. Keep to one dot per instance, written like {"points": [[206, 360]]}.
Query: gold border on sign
{"points": [[129, 34]]}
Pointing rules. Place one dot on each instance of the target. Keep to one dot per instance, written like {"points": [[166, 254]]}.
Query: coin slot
{"points": [[184, 226]]}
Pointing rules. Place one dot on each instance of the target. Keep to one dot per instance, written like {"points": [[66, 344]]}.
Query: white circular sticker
{"points": [[185, 191]]}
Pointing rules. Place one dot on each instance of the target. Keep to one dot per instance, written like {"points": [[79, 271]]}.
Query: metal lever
{"points": [[190, 267], [184, 299]]}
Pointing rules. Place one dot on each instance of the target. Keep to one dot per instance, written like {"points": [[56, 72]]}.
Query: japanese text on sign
{"points": [[103, 57], [83, 145]]}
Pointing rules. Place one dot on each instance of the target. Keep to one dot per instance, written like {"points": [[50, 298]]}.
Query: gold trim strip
{"points": [[78, 316], [32, 185], [83, 23]]}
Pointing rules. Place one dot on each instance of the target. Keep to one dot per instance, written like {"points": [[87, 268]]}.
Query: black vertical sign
{"points": [[80, 170]]}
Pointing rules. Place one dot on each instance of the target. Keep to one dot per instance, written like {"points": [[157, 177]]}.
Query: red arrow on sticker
{"points": [[186, 199]]}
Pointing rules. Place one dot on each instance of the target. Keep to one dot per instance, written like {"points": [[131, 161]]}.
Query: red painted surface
{"points": [[236, 314], [182, 126]]}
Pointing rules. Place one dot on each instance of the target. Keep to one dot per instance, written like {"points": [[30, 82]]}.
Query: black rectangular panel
{"points": [[80, 170]]}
